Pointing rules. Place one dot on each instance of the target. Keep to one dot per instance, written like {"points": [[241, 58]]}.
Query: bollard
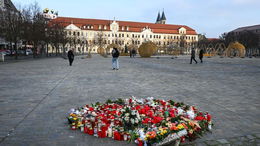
{"points": [[2, 57]]}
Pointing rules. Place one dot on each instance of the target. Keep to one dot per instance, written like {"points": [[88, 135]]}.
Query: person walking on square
{"points": [[130, 53], [133, 53], [115, 54], [201, 55], [193, 56], [70, 57]]}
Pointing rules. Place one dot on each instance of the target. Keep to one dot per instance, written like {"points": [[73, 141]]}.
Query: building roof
{"points": [[253, 27], [9, 5], [133, 26], [213, 39]]}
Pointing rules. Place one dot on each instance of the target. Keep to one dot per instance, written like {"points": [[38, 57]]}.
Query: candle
{"points": [[109, 132]]}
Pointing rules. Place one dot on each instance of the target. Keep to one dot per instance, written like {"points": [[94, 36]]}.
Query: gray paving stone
{"points": [[36, 95], [257, 135], [200, 144], [212, 142], [222, 141], [250, 137], [238, 143], [243, 138]]}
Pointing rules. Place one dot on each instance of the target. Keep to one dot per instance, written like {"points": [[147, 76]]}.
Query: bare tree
{"points": [[37, 28], [11, 28], [100, 41], [58, 37]]}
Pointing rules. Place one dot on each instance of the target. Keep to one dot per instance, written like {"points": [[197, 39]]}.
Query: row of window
{"points": [[136, 36], [104, 27], [136, 42]]}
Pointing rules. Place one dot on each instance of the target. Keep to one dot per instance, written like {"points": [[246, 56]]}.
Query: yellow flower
{"points": [[180, 126], [79, 123], [164, 131]]}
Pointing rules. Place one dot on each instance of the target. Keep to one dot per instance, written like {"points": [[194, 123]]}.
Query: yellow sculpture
{"points": [[46, 10], [235, 49], [147, 49]]}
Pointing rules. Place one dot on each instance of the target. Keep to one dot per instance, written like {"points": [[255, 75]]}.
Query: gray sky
{"points": [[212, 17]]}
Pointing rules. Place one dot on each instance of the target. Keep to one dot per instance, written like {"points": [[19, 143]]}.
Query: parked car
{"points": [[3, 52], [7, 52], [21, 52], [29, 52]]}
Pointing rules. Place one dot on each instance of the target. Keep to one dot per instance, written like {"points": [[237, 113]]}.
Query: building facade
{"points": [[6, 5], [248, 36], [88, 33], [254, 29]]}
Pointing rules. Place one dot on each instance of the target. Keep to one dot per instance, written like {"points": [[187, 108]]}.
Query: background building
{"points": [[254, 29], [6, 5], [91, 34], [249, 36]]}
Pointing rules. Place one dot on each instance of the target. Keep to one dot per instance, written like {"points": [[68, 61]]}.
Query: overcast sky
{"points": [[212, 17]]}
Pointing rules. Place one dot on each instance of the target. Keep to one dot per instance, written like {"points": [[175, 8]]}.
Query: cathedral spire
{"points": [[163, 16], [158, 18]]}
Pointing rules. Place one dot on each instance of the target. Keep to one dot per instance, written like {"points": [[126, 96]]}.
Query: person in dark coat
{"points": [[115, 54], [201, 55], [70, 56], [193, 56], [131, 53]]}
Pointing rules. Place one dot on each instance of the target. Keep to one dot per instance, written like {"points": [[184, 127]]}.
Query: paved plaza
{"points": [[36, 95]]}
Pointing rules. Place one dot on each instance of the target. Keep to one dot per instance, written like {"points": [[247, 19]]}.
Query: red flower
{"points": [[91, 109], [142, 111], [117, 135], [199, 118], [140, 142], [208, 117], [163, 102], [90, 131], [137, 107], [146, 121], [157, 120], [149, 113], [130, 100]]}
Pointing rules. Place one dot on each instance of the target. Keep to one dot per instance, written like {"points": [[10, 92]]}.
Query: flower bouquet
{"points": [[145, 121]]}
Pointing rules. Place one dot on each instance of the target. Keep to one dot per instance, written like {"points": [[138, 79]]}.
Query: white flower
{"points": [[77, 112], [180, 111], [209, 127], [126, 118], [132, 121], [191, 114], [127, 114], [138, 115]]}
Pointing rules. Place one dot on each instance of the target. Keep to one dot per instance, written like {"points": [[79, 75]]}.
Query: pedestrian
{"points": [[115, 54], [131, 53], [70, 56], [193, 56], [201, 55]]}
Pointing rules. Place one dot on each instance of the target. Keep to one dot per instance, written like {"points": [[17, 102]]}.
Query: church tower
{"points": [[161, 19], [158, 20]]}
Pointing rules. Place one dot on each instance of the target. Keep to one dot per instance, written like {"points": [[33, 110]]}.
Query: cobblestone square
{"points": [[36, 95]]}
